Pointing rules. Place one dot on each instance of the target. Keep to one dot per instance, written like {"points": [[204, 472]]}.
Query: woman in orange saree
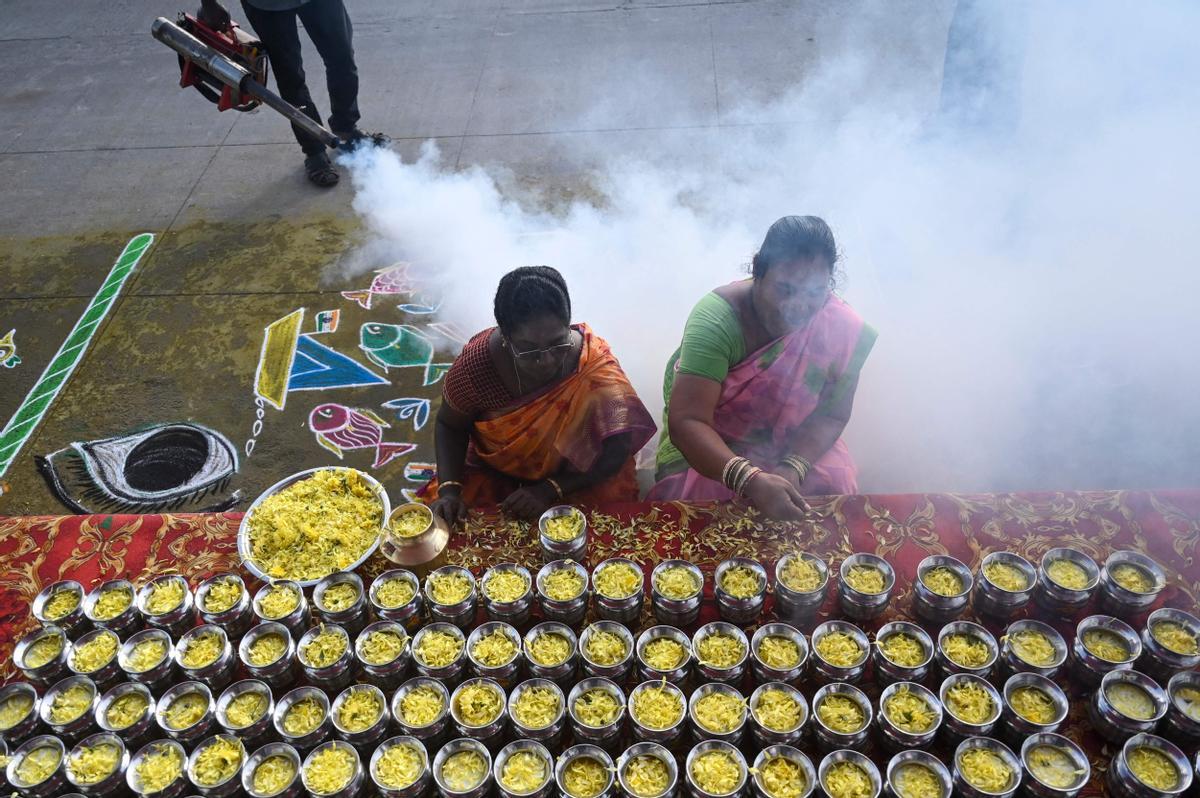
{"points": [[535, 411]]}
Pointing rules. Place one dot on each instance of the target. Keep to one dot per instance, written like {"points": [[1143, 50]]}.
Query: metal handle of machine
{"points": [[226, 71]]}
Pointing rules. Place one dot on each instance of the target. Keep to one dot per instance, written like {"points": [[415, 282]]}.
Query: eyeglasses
{"points": [[532, 355]]}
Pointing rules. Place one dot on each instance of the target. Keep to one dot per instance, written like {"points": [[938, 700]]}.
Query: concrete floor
{"points": [[98, 143]]}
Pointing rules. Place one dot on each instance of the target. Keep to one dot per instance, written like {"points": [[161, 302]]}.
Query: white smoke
{"points": [[1032, 273]]}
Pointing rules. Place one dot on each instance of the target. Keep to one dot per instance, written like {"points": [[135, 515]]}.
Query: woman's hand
{"points": [[450, 507], [775, 496], [788, 473], [530, 502]]}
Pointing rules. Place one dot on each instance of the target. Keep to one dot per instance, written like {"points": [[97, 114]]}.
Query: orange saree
{"points": [[564, 424]]}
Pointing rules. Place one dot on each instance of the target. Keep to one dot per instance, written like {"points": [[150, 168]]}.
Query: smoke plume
{"points": [[1021, 231]]}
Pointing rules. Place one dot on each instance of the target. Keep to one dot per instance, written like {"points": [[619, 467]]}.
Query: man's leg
{"points": [[329, 26], [279, 34]]}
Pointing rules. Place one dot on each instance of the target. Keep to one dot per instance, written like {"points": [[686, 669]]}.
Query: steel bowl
{"points": [[694, 788], [515, 612], [935, 607], [1121, 781], [124, 622], [448, 750], [1159, 661], [1037, 785], [27, 725], [674, 611], [175, 621], [886, 668], [857, 605], [413, 789], [897, 739], [243, 535], [407, 614], [279, 674], [353, 618], [679, 674], [51, 783], [549, 734], [115, 780], [965, 788], [491, 733], [1089, 668], [308, 740], [1114, 725], [827, 672], [1056, 599], [419, 549], [800, 605], [1017, 727], [830, 739], [256, 732], [648, 749], [351, 788], [49, 672], [1001, 603], [734, 609], [618, 671], [235, 620], [335, 676], [298, 620], [569, 611], [1116, 599], [73, 622], [608, 736], [188, 735], [430, 734], [78, 727], [713, 672], [573, 549], [948, 666], [765, 735], [178, 785], [460, 613], [562, 673], [449, 674], [219, 672], [141, 730], [796, 756], [926, 759], [523, 746], [385, 675], [956, 729], [506, 674], [1183, 717], [375, 732], [1013, 662], [700, 732], [578, 752], [227, 786], [268, 751], [766, 672], [845, 755], [623, 609], [158, 676], [646, 734]]}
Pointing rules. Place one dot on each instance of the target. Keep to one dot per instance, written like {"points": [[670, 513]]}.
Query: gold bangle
{"points": [[447, 484], [557, 488]]}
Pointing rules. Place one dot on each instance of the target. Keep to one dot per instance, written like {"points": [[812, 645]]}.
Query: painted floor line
{"points": [[26, 418]]}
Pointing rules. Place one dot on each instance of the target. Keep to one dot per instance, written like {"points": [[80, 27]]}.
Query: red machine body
{"points": [[238, 46]]}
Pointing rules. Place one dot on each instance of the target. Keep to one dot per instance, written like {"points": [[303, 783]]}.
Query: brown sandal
{"points": [[320, 171]]}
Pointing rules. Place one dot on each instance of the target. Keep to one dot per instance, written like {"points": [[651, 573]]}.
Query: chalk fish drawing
{"points": [[395, 346], [392, 280], [8, 351], [409, 495], [421, 304], [179, 466], [414, 408], [341, 429]]}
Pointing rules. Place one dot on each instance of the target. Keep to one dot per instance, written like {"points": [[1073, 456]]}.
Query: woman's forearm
{"points": [[813, 438], [702, 446], [451, 449]]}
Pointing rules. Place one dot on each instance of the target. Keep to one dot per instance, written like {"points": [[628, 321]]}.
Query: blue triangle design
{"points": [[317, 367]]}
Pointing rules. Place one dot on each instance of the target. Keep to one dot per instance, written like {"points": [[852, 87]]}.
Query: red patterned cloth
{"points": [[1165, 525]]}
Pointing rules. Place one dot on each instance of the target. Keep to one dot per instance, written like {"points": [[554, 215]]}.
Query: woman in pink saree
{"points": [[759, 392]]}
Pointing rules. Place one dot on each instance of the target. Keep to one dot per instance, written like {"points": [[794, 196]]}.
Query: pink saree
{"points": [[768, 395]]}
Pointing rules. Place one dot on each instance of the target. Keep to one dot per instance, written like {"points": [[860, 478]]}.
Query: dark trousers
{"points": [[328, 25]]}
